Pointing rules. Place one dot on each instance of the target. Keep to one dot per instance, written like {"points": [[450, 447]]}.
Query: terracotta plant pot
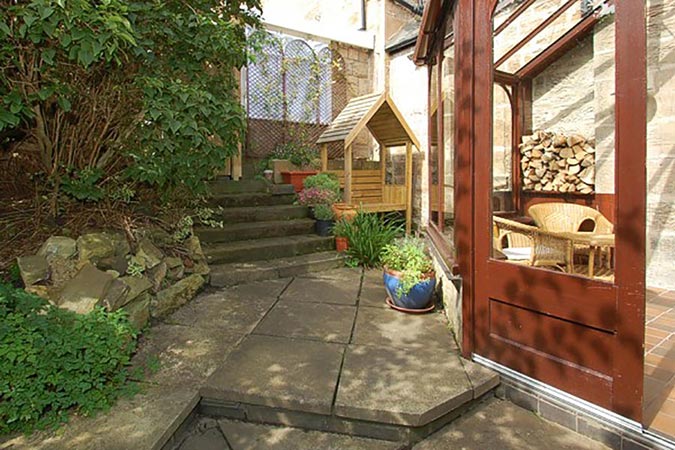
{"points": [[296, 178], [341, 243], [343, 210], [419, 296]]}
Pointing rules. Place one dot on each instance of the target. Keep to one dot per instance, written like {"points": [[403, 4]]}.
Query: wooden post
{"points": [[408, 186], [348, 174], [383, 164], [236, 165], [324, 157]]}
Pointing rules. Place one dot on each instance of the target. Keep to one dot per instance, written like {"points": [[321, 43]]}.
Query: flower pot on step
{"points": [[420, 295], [343, 210], [297, 177], [341, 243], [323, 227]]}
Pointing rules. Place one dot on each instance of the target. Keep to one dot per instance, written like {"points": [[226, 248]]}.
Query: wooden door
{"points": [[582, 335]]}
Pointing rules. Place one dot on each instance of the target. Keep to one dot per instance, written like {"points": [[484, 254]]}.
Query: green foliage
{"points": [[15, 275], [368, 234], [327, 181], [135, 267], [121, 192], [408, 256], [323, 212], [54, 361], [82, 184], [183, 228], [206, 216], [145, 88], [297, 153]]}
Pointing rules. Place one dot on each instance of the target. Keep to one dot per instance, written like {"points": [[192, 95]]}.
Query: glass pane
{"points": [[659, 394], [449, 142], [433, 145], [553, 122]]}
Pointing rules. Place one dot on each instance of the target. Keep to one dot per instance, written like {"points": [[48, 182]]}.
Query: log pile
{"points": [[553, 162]]}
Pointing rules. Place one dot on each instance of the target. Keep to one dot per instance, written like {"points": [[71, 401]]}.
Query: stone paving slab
{"points": [[401, 386], [185, 355], [246, 436], [322, 290], [349, 274], [144, 422], [227, 310], [324, 322], [279, 372], [501, 425], [390, 328]]}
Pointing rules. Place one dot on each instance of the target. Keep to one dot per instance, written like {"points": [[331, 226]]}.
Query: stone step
{"points": [[252, 199], [255, 230], [238, 273], [269, 213], [267, 248], [226, 186]]}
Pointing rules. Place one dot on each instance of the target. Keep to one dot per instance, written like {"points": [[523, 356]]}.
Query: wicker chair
{"points": [[530, 245], [569, 218]]}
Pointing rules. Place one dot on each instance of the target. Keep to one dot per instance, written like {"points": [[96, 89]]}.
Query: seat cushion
{"points": [[517, 253]]}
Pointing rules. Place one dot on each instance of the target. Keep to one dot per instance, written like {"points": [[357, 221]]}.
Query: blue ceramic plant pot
{"points": [[419, 296]]}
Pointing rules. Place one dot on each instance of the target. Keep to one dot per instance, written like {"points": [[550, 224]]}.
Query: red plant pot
{"points": [[341, 243], [296, 178]]}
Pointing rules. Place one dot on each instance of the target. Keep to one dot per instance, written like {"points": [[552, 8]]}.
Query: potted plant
{"points": [[324, 219], [340, 230], [344, 211], [315, 196], [409, 277], [302, 161]]}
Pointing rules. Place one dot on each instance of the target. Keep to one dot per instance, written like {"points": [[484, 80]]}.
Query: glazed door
{"points": [[559, 189]]}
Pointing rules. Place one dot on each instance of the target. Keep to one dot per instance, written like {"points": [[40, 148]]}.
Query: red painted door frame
{"points": [[611, 316]]}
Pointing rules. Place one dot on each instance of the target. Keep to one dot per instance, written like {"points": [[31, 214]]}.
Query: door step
{"points": [[239, 273], [266, 214], [251, 199]]}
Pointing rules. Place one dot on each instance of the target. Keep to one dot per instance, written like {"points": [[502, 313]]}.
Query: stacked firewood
{"points": [[553, 162]]}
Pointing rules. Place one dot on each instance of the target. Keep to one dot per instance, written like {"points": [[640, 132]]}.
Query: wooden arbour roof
{"points": [[377, 113]]}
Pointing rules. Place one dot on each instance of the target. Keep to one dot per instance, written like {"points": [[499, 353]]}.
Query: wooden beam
{"points": [[568, 40], [536, 31], [408, 186], [348, 175], [505, 78], [324, 157], [383, 164], [521, 9], [236, 164]]}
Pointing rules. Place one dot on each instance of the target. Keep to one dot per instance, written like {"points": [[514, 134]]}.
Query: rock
{"points": [[156, 275], [33, 269], [94, 247], [194, 248], [120, 243], [172, 262], [62, 270], [61, 246], [201, 268], [137, 287], [40, 291], [114, 273], [118, 263], [87, 289], [148, 254], [138, 311], [160, 237], [175, 296], [116, 296]]}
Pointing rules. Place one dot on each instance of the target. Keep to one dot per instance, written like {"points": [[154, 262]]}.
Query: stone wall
{"points": [[358, 73], [408, 89]]}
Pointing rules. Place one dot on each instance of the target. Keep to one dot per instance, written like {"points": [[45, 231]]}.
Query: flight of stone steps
{"points": [[264, 235]]}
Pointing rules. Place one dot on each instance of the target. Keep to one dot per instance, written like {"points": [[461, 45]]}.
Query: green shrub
{"points": [[54, 361], [327, 181], [323, 212], [368, 234], [408, 256]]}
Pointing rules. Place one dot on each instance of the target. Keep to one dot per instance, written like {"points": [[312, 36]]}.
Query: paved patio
{"points": [[660, 362], [317, 352]]}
